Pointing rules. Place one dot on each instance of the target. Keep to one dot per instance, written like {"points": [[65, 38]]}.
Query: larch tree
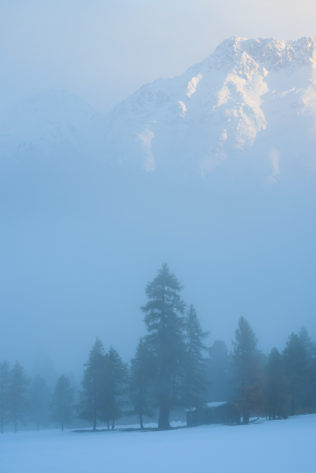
{"points": [[165, 326]]}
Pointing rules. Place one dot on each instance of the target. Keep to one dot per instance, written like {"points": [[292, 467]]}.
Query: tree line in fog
{"points": [[172, 368]]}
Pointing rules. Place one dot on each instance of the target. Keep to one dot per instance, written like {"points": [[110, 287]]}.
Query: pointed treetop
{"points": [[163, 278]]}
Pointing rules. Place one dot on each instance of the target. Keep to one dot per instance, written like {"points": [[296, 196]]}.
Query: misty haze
{"points": [[157, 202]]}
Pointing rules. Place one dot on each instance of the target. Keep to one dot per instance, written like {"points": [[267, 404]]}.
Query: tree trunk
{"points": [[141, 421], [94, 426], [245, 418], [163, 423]]}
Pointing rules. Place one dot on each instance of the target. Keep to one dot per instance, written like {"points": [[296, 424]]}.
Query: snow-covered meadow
{"points": [[286, 446]]}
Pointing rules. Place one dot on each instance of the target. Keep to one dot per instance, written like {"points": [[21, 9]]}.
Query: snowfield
{"points": [[271, 447]]}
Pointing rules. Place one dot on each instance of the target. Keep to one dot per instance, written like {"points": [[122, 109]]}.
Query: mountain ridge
{"points": [[253, 97], [220, 105]]}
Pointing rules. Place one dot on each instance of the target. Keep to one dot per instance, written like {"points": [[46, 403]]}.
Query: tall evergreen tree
{"points": [[17, 405], [194, 386], [142, 375], [165, 325], [309, 397], [91, 402], [218, 372], [63, 402], [113, 386], [248, 371], [276, 386], [298, 357], [39, 402], [4, 394]]}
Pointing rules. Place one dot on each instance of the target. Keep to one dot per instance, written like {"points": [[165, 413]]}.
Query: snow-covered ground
{"points": [[271, 447]]}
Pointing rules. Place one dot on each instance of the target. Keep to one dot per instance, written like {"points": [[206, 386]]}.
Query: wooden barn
{"points": [[213, 413]]}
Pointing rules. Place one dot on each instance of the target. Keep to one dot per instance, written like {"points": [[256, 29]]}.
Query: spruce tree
{"points": [[63, 402], [39, 402], [17, 402], [298, 358], [4, 394], [276, 386], [113, 386], [142, 375], [218, 372], [248, 372], [91, 402], [165, 325], [309, 395], [194, 385]]}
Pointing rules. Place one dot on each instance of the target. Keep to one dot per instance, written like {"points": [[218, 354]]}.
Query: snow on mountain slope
{"points": [[253, 98], [54, 122], [250, 94]]}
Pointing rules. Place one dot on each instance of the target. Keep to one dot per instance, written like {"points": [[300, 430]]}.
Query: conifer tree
{"points": [[276, 386], [91, 403], [218, 372], [142, 375], [194, 385], [113, 386], [248, 371], [63, 402], [4, 394], [165, 326], [298, 357], [39, 402], [309, 396], [17, 404]]}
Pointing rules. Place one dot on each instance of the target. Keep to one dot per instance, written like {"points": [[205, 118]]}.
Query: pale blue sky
{"points": [[104, 50]]}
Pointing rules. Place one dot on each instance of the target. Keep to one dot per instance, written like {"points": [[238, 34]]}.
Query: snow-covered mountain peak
{"points": [[245, 90], [270, 53], [254, 97], [54, 121]]}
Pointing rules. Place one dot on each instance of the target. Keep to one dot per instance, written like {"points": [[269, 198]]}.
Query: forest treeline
{"points": [[172, 368]]}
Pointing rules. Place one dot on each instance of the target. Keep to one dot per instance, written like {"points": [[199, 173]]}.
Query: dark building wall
{"points": [[223, 414]]}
